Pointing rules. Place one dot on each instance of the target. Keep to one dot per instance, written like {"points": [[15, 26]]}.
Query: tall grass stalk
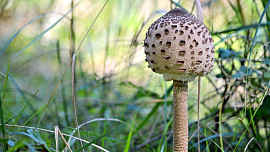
{"points": [[3, 129], [251, 49], [63, 92], [247, 127]]}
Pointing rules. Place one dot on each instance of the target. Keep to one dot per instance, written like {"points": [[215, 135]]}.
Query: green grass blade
{"points": [[154, 109], [211, 138], [265, 93], [253, 43], [6, 80], [91, 27], [22, 93], [130, 135], [104, 132], [1, 102], [100, 137], [236, 128], [3, 129], [234, 9], [34, 115], [2, 119], [18, 32], [19, 115], [258, 25], [152, 112], [22, 111], [18, 145], [220, 125], [253, 124], [165, 117], [242, 28], [206, 141], [48, 29], [164, 136], [178, 5]]}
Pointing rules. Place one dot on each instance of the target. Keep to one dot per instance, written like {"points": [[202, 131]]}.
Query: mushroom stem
{"points": [[180, 116]]}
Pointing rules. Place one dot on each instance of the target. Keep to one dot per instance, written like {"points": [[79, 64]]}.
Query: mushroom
{"points": [[180, 47]]}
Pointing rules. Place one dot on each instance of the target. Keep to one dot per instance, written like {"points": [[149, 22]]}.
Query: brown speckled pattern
{"points": [[180, 116], [179, 44]]}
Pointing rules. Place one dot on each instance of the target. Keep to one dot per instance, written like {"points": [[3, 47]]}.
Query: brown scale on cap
{"points": [[182, 45]]}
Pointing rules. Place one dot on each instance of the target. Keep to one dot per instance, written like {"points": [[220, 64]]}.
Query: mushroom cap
{"points": [[179, 46]]}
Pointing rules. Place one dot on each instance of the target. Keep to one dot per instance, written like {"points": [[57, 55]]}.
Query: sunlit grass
{"points": [[111, 79]]}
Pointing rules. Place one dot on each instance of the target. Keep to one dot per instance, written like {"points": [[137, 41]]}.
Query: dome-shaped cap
{"points": [[179, 46]]}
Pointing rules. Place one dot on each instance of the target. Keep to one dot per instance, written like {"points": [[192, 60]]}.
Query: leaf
{"points": [[11, 143], [220, 75], [31, 148], [266, 74], [242, 72], [228, 54], [266, 62], [34, 135]]}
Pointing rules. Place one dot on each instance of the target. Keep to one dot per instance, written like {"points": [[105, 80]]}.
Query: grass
{"points": [[120, 104]]}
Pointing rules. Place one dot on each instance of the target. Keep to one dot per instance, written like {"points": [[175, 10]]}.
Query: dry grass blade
{"points": [[219, 135], [41, 129], [91, 26], [200, 17], [56, 137], [250, 142], [199, 11], [198, 118], [50, 131], [98, 119], [2, 74], [61, 135], [53, 94], [73, 95]]}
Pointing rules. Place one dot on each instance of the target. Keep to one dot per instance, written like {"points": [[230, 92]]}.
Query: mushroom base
{"points": [[169, 77], [180, 116]]}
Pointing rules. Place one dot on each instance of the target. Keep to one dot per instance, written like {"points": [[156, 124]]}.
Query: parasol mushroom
{"points": [[180, 47]]}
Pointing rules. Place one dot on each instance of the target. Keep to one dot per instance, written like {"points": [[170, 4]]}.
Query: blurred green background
{"points": [[120, 103]]}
